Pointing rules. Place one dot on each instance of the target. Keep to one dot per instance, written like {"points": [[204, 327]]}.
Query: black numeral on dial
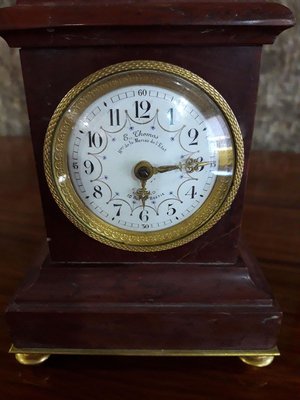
{"points": [[170, 115], [191, 193], [89, 167], [97, 192], [143, 216], [171, 210], [114, 117], [142, 109], [118, 209], [95, 140], [193, 134]]}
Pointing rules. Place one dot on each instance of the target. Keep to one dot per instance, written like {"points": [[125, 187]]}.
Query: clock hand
{"points": [[191, 165], [143, 171], [142, 193], [164, 168]]}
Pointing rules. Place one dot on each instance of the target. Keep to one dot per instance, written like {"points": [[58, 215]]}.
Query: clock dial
{"points": [[144, 156], [144, 123]]}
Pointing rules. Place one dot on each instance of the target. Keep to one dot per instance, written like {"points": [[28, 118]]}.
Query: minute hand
{"points": [[165, 168], [191, 165]]}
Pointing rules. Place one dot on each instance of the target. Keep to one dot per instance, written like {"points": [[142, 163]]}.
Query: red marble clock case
{"points": [[208, 294]]}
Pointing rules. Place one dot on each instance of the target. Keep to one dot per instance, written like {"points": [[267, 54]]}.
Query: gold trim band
{"points": [[148, 352]]}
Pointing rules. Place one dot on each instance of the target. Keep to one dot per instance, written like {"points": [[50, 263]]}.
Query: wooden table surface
{"points": [[272, 227]]}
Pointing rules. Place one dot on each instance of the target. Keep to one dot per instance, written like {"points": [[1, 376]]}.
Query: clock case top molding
{"points": [[207, 294]]}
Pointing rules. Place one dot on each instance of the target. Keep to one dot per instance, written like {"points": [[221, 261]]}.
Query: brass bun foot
{"points": [[31, 359], [258, 361]]}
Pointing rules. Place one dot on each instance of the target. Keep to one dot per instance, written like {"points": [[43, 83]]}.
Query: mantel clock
{"points": [[141, 119]]}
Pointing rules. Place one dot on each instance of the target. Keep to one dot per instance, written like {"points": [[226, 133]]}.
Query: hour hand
{"points": [[142, 193], [143, 171]]}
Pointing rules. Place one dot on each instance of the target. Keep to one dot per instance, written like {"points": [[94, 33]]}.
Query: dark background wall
{"points": [[278, 110]]}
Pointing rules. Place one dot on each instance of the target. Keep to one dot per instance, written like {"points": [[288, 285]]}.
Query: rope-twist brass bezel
{"points": [[55, 151]]}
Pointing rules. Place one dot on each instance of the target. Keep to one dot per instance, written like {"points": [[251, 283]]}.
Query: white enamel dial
{"points": [[151, 123], [143, 156]]}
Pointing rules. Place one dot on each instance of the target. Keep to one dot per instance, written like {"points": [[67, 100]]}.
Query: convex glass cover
{"points": [[143, 156]]}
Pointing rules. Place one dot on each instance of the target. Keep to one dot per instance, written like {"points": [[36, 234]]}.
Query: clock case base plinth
{"points": [[163, 308]]}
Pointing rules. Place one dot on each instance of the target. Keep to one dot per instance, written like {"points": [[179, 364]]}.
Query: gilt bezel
{"points": [[56, 166]]}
